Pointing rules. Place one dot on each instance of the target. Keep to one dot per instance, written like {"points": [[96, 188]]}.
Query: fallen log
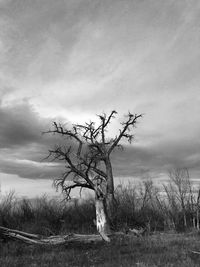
{"points": [[137, 232], [195, 252], [58, 240]]}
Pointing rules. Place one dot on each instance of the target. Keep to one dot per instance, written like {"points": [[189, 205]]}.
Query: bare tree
{"points": [[171, 206], [182, 188], [87, 157], [149, 194], [197, 209]]}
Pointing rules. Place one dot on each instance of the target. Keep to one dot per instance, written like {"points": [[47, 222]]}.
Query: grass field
{"points": [[155, 250]]}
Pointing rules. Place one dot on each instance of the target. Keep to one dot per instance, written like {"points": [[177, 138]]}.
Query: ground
{"points": [[155, 250]]}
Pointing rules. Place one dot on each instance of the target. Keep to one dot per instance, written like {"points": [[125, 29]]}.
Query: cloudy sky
{"points": [[71, 59]]}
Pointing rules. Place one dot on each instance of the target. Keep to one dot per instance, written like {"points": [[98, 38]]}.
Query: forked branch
{"points": [[131, 121]]}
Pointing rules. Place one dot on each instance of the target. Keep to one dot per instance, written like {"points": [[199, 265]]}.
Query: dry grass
{"points": [[155, 250]]}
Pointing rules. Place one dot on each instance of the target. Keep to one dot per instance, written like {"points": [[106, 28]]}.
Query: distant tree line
{"points": [[173, 206]]}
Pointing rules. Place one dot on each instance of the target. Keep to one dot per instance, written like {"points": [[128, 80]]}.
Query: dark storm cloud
{"points": [[133, 161], [23, 146], [22, 126], [19, 126], [31, 169]]}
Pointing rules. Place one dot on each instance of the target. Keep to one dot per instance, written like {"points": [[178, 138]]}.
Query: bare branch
{"points": [[58, 129], [67, 189], [110, 117], [59, 154], [131, 121], [89, 153]]}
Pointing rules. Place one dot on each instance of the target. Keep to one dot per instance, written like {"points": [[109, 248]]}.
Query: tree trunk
{"points": [[184, 213], [185, 220], [110, 199], [197, 218], [102, 221], [197, 209], [111, 208], [110, 182], [193, 221]]}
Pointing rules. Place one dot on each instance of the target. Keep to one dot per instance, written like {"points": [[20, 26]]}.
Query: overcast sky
{"points": [[71, 59]]}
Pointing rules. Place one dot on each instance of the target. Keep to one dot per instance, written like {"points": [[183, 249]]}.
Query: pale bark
{"points": [[185, 220], [57, 240], [197, 209], [197, 218], [137, 232], [102, 222], [194, 222]]}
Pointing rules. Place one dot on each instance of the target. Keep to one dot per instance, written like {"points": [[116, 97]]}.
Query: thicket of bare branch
{"points": [[138, 205], [87, 150]]}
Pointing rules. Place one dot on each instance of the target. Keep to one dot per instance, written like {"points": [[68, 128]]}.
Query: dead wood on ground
{"points": [[57, 240]]}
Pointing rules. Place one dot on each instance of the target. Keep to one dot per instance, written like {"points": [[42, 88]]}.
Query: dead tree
{"points": [[60, 240], [172, 207], [197, 209], [87, 157], [182, 188]]}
